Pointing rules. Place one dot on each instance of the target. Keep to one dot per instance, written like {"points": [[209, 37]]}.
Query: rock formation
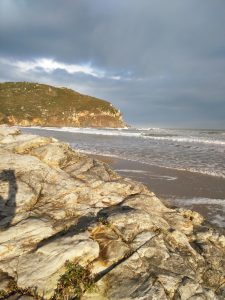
{"points": [[71, 228], [33, 104]]}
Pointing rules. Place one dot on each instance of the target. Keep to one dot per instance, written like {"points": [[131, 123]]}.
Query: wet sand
{"points": [[202, 193]]}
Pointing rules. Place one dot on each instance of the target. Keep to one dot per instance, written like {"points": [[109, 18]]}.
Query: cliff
{"points": [[71, 228], [32, 104]]}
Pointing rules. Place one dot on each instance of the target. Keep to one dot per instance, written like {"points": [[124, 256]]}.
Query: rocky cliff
{"points": [[71, 228], [32, 104]]}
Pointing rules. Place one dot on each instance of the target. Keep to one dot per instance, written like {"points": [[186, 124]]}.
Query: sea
{"points": [[201, 151], [194, 151]]}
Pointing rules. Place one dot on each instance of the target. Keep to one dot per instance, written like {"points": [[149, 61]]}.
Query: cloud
{"points": [[160, 61], [49, 65]]}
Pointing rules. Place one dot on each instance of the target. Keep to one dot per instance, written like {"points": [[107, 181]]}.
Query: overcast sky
{"points": [[161, 62]]}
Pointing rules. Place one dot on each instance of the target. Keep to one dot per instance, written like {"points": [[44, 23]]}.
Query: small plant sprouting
{"points": [[74, 282]]}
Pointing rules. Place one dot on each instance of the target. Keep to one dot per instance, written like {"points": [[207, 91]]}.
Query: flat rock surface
{"points": [[58, 205]]}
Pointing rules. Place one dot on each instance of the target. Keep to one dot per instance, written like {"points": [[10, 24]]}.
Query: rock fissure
{"points": [[110, 268]]}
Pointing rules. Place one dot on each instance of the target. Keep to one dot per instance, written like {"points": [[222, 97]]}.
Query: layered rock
{"points": [[32, 104], [58, 205]]}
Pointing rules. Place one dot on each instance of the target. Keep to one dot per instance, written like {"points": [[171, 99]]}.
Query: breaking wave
{"points": [[180, 136]]}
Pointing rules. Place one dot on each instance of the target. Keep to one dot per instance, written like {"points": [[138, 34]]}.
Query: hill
{"points": [[33, 104]]}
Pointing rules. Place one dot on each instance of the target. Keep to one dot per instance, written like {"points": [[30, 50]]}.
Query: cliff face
{"points": [[32, 104], [71, 228]]}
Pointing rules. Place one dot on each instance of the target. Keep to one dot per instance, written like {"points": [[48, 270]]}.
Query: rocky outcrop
{"points": [[71, 227], [32, 104]]}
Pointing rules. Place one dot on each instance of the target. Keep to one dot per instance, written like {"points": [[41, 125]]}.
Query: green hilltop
{"points": [[26, 104]]}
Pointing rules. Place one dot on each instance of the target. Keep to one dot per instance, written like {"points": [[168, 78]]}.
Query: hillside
{"points": [[30, 104]]}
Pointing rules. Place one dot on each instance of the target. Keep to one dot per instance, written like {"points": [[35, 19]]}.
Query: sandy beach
{"points": [[202, 193]]}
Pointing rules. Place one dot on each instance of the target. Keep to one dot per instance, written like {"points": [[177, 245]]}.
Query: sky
{"points": [[162, 63]]}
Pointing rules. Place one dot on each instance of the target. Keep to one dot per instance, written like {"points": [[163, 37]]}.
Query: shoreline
{"points": [[71, 214], [177, 188], [100, 137]]}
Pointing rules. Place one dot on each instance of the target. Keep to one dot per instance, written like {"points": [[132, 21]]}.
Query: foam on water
{"points": [[201, 151], [199, 201], [206, 170], [215, 208], [131, 171], [185, 139], [169, 178], [105, 131], [148, 133]]}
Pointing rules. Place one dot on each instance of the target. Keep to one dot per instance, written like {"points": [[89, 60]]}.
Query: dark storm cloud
{"points": [[162, 62]]}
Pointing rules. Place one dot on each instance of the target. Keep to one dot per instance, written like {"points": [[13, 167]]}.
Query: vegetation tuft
{"points": [[74, 282]]}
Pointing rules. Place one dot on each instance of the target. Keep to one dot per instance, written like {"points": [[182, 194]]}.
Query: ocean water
{"points": [[215, 208], [201, 151]]}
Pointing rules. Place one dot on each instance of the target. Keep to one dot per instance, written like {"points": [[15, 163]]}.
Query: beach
{"points": [[64, 213], [176, 187]]}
